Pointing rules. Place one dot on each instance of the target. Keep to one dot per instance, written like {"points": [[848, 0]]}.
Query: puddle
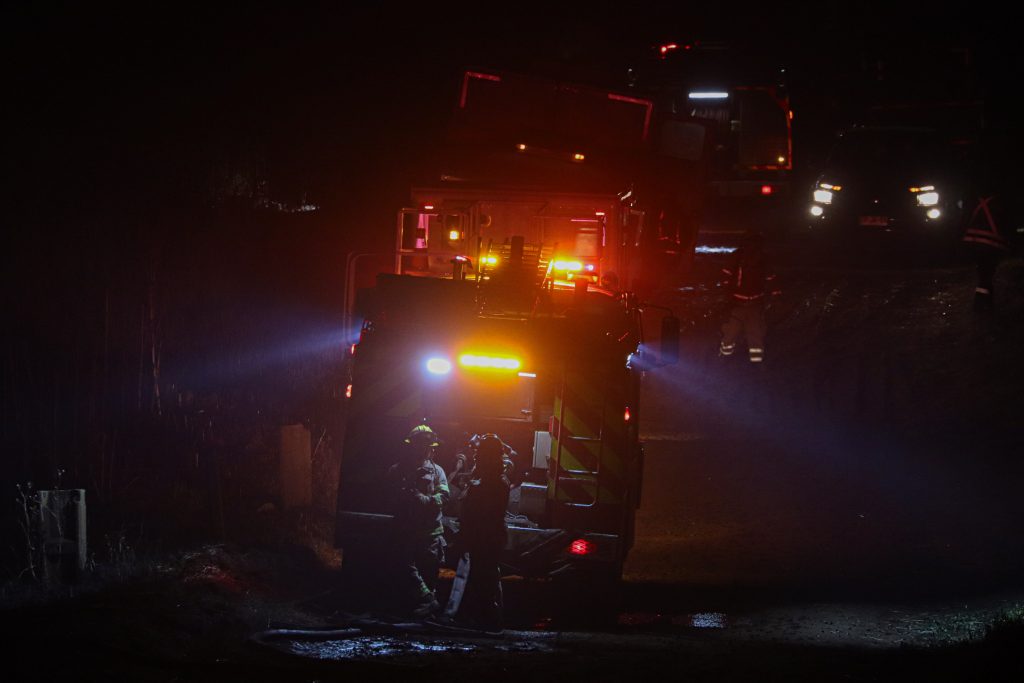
{"points": [[704, 620], [373, 647]]}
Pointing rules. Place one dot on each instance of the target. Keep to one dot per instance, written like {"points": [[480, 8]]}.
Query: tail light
{"points": [[581, 546]]}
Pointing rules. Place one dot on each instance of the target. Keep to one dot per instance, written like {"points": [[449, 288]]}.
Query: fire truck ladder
{"points": [[509, 286]]}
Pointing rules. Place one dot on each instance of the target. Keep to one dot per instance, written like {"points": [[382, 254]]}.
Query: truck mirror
{"points": [[669, 340]]}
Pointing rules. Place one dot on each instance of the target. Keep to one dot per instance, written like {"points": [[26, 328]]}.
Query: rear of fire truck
{"points": [[506, 311]]}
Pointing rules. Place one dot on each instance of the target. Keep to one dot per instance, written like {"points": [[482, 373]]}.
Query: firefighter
{"points": [[750, 282], [419, 491], [476, 594], [464, 472], [988, 244]]}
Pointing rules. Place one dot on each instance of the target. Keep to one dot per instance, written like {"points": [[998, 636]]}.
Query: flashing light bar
{"points": [[671, 46], [529, 375], [568, 265], [439, 366], [471, 360], [578, 157], [428, 207], [490, 260], [708, 95], [707, 249]]}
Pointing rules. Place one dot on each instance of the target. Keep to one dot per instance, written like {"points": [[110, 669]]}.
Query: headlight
{"points": [[817, 211], [438, 366], [927, 198], [823, 193]]}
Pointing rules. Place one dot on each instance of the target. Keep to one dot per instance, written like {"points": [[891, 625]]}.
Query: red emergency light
{"points": [[627, 415], [767, 190], [581, 546], [348, 391]]}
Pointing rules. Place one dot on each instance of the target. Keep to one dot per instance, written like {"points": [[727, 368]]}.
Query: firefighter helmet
{"points": [[422, 435]]}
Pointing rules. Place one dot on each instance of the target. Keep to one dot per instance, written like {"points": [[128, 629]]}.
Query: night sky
{"points": [[136, 104]]}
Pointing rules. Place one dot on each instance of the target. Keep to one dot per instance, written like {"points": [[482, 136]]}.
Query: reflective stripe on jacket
{"points": [[982, 228]]}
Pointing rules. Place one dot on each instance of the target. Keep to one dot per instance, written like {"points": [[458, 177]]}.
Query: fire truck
{"points": [[740, 98], [506, 309]]}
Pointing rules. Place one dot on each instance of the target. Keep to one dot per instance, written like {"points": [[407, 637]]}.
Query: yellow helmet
{"points": [[422, 435]]}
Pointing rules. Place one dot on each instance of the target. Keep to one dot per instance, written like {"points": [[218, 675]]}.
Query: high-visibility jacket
{"points": [[982, 228]]}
